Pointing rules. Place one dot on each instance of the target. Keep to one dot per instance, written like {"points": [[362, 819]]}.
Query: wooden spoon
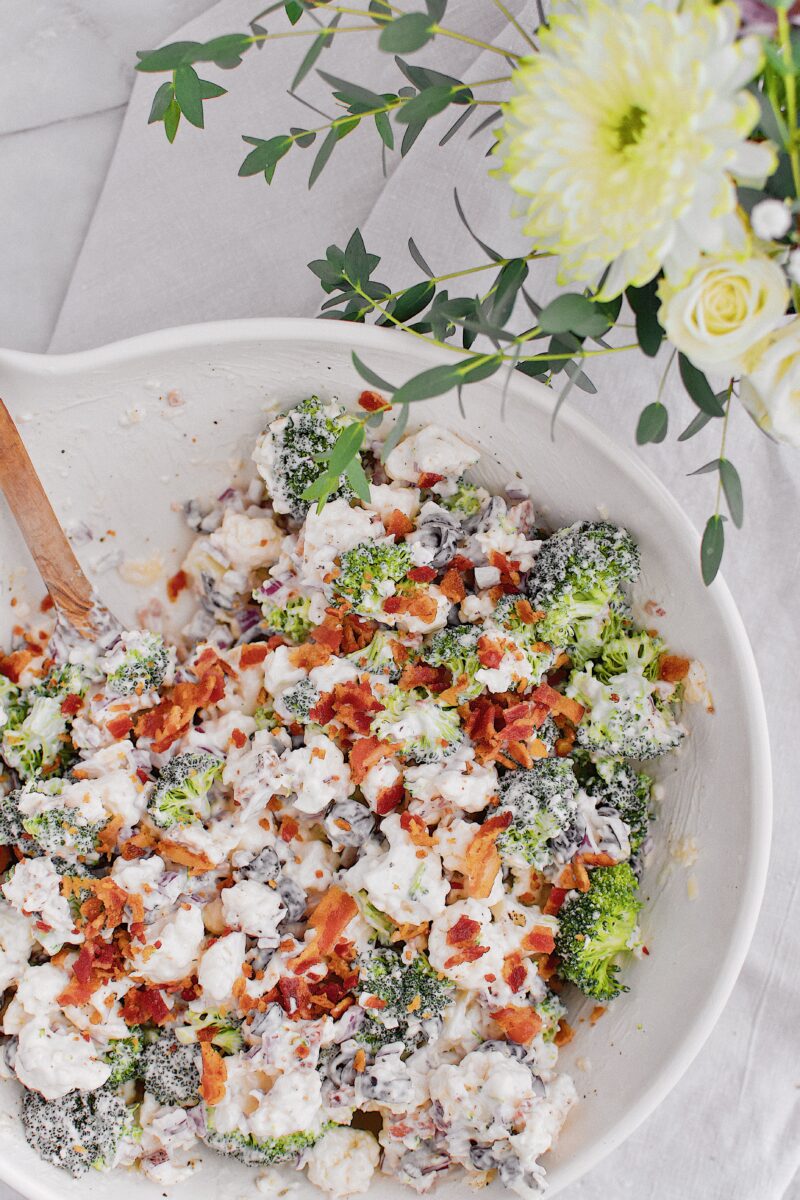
{"points": [[71, 591]]}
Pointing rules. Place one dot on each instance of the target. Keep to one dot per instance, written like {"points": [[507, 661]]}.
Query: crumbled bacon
{"points": [[366, 752], [482, 860], [514, 972], [309, 655], [540, 940], [416, 604], [464, 930], [12, 665], [252, 654], [145, 1005], [354, 706], [120, 727], [558, 703], [416, 829], [452, 586], [398, 524], [176, 584], [429, 479], [389, 798], [373, 402], [328, 921], [214, 1074], [435, 679], [422, 574], [519, 1024], [554, 901], [71, 704], [490, 655], [672, 668], [172, 718]]}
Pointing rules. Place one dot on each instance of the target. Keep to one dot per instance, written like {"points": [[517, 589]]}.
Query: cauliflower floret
{"points": [[35, 887], [385, 499], [458, 782], [343, 1162], [220, 967], [254, 908], [407, 885], [279, 672], [16, 941], [380, 780], [317, 773], [487, 1090], [171, 948], [36, 997], [248, 541], [452, 951], [328, 534], [168, 1137], [432, 450], [55, 1061]]}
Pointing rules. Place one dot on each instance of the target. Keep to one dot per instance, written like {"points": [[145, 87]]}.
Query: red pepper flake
{"points": [[176, 584]]}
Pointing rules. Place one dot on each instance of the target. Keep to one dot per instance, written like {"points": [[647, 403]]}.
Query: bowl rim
{"points": [[356, 336]]}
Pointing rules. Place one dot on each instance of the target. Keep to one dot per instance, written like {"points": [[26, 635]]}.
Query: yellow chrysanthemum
{"points": [[625, 135]]}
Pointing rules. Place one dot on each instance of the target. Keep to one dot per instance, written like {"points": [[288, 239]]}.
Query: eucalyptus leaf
{"points": [[438, 380], [653, 423], [167, 58], [384, 128], [323, 154], [188, 95], [354, 473], [573, 313], [732, 487], [413, 300], [712, 548], [345, 448], [395, 433], [370, 376], [699, 388], [161, 102], [707, 468], [454, 128], [172, 119], [352, 91], [406, 34], [695, 425], [315, 49], [416, 254], [425, 105]]}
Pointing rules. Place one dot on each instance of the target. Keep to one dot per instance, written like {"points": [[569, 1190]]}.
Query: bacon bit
{"points": [[547, 968], [574, 875], [416, 829], [481, 860], [464, 930], [519, 1024], [415, 1004], [12, 665], [540, 940], [328, 921], [598, 860], [422, 574], [672, 668], [563, 745], [429, 479], [214, 1074], [554, 901], [294, 994], [120, 727], [435, 679], [366, 753], [388, 798], [564, 1034], [252, 654], [394, 604], [490, 655], [107, 838], [322, 712], [374, 1002], [525, 611], [289, 829], [596, 1013], [514, 971], [143, 1006], [452, 586], [195, 860], [467, 954], [416, 604], [354, 706], [172, 718], [309, 656], [46, 603], [71, 704], [373, 402], [398, 524], [410, 933], [327, 635], [359, 1061], [137, 845], [238, 738], [176, 584], [558, 703]]}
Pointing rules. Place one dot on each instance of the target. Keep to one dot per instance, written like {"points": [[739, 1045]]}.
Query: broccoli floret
{"points": [[170, 1071], [542, 801], [384, 926], [13, 706], [551, 1011], [180, 795], [67, 680], [124, 1056], [266, 1152], [265, 718], [413, 993], [139, 663], [424, 730], [466, 500], [595, 928], [370, 572], [39, 744], [300, 699], [577, 573], [456, 647], [77, 1131], [64, 830], [630, 652], [377, 656], [292, 619], [513, 615], [625, 717], [11, 829], [226, 1035], [619, 789], [289, 452]]}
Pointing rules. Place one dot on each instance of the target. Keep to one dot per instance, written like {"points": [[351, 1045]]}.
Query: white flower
{"points": [[724, 309], [771, 389], [625, 134], [793, 266], [770, 220]]}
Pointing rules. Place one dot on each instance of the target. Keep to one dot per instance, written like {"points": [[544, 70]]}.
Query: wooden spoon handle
{"points": [[70, 589]]}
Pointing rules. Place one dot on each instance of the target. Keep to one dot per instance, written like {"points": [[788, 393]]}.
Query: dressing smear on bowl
{"points": [[347, 847]]}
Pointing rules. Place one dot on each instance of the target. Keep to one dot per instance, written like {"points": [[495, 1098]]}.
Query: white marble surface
{"points": [[92, 249]]}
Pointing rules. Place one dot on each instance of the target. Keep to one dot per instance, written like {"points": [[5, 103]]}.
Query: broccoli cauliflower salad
{"points": [[335, 861]]}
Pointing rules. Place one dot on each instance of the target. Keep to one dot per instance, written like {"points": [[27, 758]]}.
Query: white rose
{"points": [[770, 390], [726, 307]]}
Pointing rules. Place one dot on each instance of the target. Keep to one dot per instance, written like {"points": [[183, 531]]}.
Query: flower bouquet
{"points": [[650, 147]]}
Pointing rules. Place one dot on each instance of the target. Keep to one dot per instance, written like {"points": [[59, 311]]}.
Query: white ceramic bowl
{"points": [[114, 452]]}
